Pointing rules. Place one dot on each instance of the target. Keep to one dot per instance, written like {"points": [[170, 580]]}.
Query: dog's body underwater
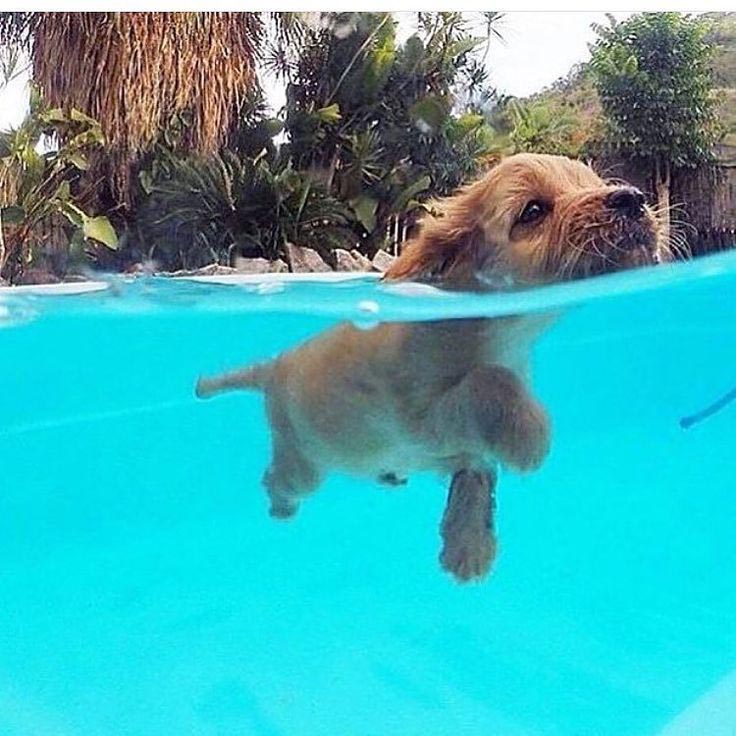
{"points": [[394, 400], [449, 396]]}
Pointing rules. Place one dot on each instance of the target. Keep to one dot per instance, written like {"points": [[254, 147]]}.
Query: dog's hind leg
{"points": [[467, 527], [289, 478]]}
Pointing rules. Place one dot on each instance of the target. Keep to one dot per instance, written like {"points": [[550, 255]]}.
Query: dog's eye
{"points": [[534, 211]]}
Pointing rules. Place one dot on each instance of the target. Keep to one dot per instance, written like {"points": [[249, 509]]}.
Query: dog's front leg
{"points": [[491, 412], [467, 525]]}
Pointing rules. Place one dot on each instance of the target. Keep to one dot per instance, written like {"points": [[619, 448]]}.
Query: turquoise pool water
{"points": [[145, 591]]}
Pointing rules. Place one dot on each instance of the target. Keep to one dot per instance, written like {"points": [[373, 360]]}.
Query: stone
{"points": [[260, 265], [305, 260], [351, 260], [382, 261], [75, 278], [140, 269], [214, 269], [32, 276]]}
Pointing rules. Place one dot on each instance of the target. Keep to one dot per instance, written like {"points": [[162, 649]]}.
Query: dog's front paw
{"points": [[511, 424], [524, 440], [469, 556], [467, 526]]}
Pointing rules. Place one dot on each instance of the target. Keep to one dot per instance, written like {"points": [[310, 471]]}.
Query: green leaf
{"points": [[413, 52], [79, 117], [329, 114], [464, 45], [63, 192], [145, 178], [365, 208], [79, 160], [429, 114], [55, 115], [99, 228], [401, 202], [90, 137], [468, 122], [12, 214], [273, 126], [76, 244], [631, 66], [306, 189], [72, 213], [379, 66]]}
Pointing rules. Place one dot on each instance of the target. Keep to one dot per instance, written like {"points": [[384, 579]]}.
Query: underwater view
{"points": [[145, 589]]}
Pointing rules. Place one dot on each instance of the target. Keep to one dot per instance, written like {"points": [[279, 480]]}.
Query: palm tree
{"points": [[133, 71]]}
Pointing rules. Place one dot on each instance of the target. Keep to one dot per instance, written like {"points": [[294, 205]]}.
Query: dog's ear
{"points": [[447, 236]]}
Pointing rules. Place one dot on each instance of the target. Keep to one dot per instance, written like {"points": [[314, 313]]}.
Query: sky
{"points": [[538, 48]]}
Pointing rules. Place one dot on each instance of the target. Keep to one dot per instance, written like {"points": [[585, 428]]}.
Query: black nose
{"points": [[628, 201]]}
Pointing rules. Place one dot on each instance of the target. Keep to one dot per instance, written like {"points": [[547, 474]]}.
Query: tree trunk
{"points": [[662, 180], [2, 245]]}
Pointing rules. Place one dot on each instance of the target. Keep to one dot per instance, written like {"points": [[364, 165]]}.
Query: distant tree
{"points": [[653, 75], [541, 127]]}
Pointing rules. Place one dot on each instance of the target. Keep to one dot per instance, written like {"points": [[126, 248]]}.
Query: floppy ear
{"points": [[445, 238]]}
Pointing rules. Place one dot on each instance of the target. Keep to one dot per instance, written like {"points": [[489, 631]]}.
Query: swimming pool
{"points": [[144, 590]]}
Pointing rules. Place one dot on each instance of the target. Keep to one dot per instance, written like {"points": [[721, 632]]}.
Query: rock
{"points": [[37, 276], [242, 265], [351, 260], [260, 265], [140, 269], [305, 260], [214, 269], [75, 278], [382, 261]]}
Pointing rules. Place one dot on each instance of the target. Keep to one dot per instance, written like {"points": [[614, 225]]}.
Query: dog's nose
{"points": [[628, 201]]}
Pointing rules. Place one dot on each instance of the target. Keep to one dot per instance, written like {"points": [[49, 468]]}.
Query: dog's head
{"points": [[532, 219]]}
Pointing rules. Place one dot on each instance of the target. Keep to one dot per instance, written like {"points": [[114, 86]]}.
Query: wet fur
{"points": [[448, 396]]}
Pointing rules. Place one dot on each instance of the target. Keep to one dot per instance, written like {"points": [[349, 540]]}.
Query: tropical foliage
{"points": [[370, 128], [540, 127], [379, 123], [191, 166], [219, 208], [40, 190], [132, 71]]}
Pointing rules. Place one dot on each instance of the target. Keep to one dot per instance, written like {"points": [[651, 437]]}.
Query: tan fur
{"points": [[447, 396]]}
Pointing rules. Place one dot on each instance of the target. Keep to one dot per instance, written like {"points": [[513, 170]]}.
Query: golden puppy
{"points": [[449, 396]]}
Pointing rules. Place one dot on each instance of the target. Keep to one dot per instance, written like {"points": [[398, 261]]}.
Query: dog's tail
{"points": [[253, 377]]}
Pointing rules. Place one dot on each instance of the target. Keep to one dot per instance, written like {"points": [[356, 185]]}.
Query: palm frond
{"points": [[132, 71]]}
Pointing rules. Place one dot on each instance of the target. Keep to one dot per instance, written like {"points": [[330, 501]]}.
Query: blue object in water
{"points": [[709, 411], [144, 591]]}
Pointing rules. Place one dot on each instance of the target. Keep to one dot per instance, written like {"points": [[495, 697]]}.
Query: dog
{"points": [[450, 396]]}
